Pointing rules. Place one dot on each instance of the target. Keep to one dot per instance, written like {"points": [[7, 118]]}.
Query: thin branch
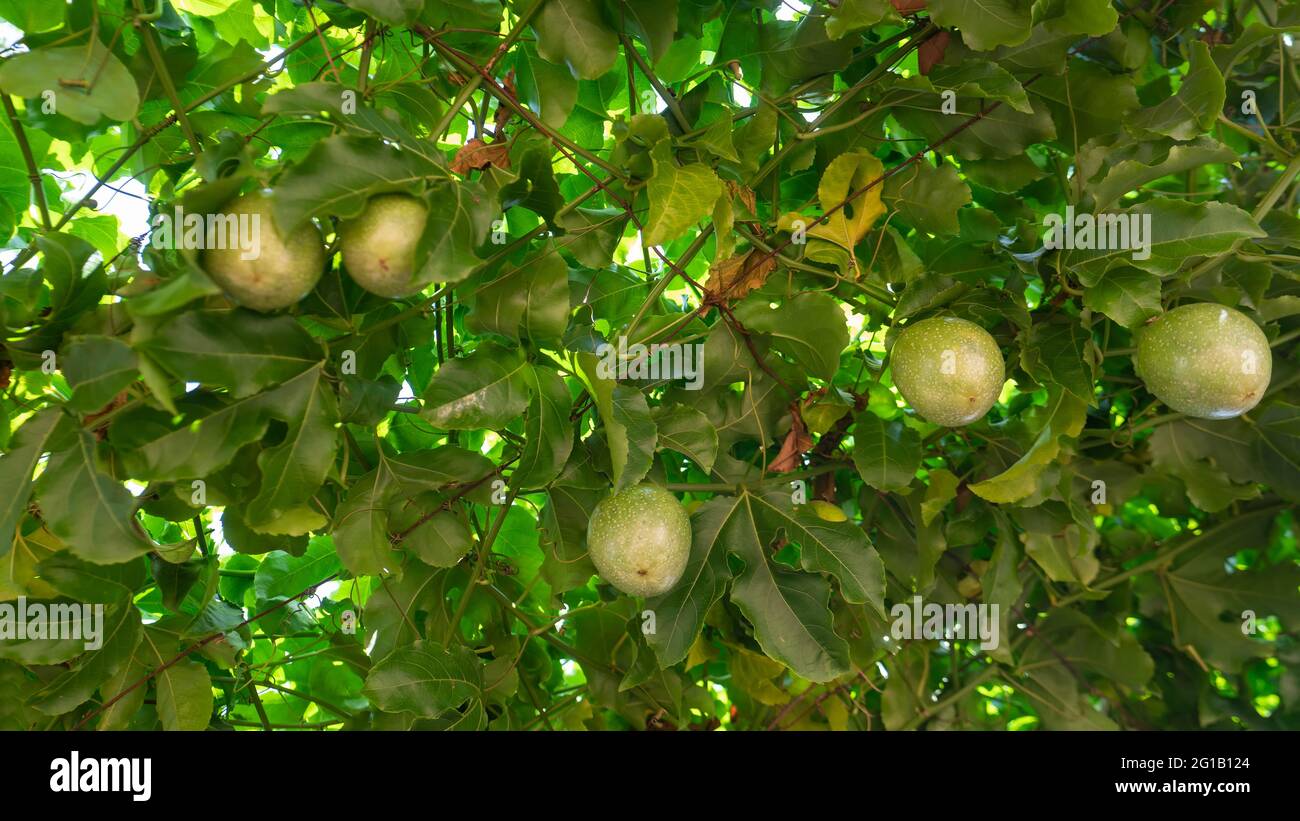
{"points": [[33, 173]]}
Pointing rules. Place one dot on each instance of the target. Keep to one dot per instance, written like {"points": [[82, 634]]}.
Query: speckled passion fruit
{"points": [[278, 271], [948, 369], [379, 244], [640, 539], [1204, 360]]}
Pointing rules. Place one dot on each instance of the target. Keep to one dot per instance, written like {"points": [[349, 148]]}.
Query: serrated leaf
{"points": [[486, 389], [573, 32], [1130, 296], [680, 195], [1063, 416], [887, 454], [425, 679], [548, 432]]}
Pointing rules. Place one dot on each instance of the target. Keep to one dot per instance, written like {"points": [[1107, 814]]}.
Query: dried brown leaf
{"points": [[932, 50], [476, 155], [736, 276], [796, 444]]}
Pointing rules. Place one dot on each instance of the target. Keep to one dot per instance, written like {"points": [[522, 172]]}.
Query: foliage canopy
{"points": [[371, 512]]}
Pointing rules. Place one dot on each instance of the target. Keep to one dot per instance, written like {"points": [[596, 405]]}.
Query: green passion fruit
{"points": [[639, 539], [1204, 360], [278, 271], [379, 244], [948, 369]]}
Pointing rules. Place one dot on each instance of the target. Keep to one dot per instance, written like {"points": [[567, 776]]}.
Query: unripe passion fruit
{"points": [[379, 244], [640, 539], [279, 271], [1205, 360], [948, 369], [827, 512]]}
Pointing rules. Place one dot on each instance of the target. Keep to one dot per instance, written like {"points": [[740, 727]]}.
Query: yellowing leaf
{"points": [[680, 196]]}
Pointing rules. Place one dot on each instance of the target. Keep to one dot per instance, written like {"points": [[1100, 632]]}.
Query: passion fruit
{"points": [[948, 369], [379, 244], [1204, 360], [639, 539], [278, 271]]}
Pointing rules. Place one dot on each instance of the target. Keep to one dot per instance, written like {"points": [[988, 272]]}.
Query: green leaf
{"points": [[1116, 171], [1200, 590], [570, 500], [1061, 547], [549, 89], [1055, 353], [1130, 296], [1194, 450], [184, 689], [1092, 17], [680, 195], [1173, 231], [548, 432], [928, 197], [1192, 111], [486, 389], [529, 302], [679, 613], [840, 549], [653, 22], [120, 633], [854, 15], [974, 78], [339, 176], [985, 24], [689, 432], [97, 368], [280, 574], [941, 490], [786, 607], [574, 32], [810, 327], [459, 218], [1063, 416], [364, 519], [87, 82], [632, 436], [887, 454], [392, 12], [87, 508], [1005, 136], [16, 468], [241, 350], [1276, 453], [425, 679], [342, 104]]}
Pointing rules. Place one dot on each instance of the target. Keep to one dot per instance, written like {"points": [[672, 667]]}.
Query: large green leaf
{"points": [[887, 454], [680, 195], [239, 349], [426, 679], [488, 388], [85, 507], [88, 83], [574, 32]]}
